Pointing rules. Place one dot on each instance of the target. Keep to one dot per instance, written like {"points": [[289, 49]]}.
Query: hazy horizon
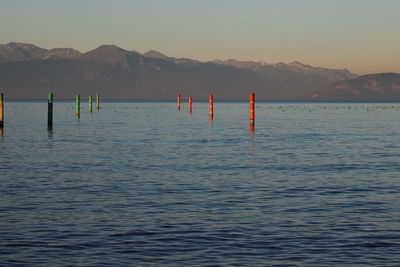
{"points": [[359, 35]]}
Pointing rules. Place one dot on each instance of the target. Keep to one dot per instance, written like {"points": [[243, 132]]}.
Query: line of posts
{"points": [[252, 115], [50, 100], [78, 104], [77, 108]]}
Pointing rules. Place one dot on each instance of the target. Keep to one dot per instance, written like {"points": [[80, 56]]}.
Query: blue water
{"points": [[141, 184]]}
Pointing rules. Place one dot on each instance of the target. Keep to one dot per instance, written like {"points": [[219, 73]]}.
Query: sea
{"points": [[139, 183]]}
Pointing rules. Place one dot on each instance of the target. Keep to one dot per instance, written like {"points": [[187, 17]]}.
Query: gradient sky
{"points": [[361, 35]]}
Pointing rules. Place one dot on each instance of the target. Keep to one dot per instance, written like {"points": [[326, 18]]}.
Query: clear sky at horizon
{"points": [[361, 35]]}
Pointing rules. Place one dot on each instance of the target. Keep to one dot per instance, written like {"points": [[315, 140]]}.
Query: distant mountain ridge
{"points": [[28, 71], [296, 67], [14, 52], [382, 86], [159, 55], [105, 53]]}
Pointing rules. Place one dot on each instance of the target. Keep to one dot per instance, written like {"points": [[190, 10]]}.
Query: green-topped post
{"points": [[90, 104], [97, 101], [78, 106]]}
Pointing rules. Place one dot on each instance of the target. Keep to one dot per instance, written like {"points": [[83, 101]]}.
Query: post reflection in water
{"points": [[251, 130], [210, 121], [50, 133], [251, 146], [1, 132]]}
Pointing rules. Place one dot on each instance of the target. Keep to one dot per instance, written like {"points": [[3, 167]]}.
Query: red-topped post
{"points": [[190, 104], [252, 111], [210, 106], [178, 101]]}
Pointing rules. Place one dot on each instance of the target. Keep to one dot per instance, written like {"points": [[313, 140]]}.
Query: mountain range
{"points": [[28, 71], [12, 52], [383, 86]]}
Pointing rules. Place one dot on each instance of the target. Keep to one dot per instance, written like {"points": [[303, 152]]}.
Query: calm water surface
{"points": [[141, 184]]}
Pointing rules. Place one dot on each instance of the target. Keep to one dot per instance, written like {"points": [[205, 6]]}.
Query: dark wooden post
{"points": [[50, 111], [78, 106], [1, 111], [97, 101]]}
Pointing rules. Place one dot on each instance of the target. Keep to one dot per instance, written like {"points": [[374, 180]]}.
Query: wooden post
{"points": [[78, 106], [1, 111], [97, 101], [178, 102], [190, 104], [252, 112], [90, 104], [211, 106], [50, 111]]}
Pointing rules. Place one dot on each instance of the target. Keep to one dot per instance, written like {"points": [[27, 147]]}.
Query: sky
{"points": [[360, 35]]}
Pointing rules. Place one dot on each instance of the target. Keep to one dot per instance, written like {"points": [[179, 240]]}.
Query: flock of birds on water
{"points": [[311, 108], [366, 107]]}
